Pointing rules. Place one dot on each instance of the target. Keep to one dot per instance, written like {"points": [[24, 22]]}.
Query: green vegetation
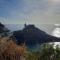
{"points": [[46, 52], [9, 50]]}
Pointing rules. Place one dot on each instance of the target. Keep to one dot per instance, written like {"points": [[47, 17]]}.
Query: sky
{"points": [[30, 11]]}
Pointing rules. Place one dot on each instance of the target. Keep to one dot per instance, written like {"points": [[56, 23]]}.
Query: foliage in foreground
{"points": [[46, 52], [9, 50]]}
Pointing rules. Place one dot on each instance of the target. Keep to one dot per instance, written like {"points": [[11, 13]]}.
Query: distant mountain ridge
{"points": [[32, 36]]}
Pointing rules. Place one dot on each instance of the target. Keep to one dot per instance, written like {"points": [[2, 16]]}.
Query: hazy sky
{"points": [[30, 11]]}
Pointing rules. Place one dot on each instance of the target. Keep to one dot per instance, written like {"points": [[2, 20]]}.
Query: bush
{"points": [[10, 51]]}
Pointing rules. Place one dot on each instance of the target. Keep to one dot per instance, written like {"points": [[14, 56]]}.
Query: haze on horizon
{"points": [[48, 28]]}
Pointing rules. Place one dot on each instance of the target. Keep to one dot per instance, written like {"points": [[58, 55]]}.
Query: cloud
{"points": [[33, 11]]}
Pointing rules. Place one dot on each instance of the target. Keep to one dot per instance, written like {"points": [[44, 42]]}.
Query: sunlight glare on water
{"points": [[56, 31], [55, 44]]}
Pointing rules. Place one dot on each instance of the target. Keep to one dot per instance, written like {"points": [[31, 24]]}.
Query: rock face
{"points": [[32, 36], [3, 30]]}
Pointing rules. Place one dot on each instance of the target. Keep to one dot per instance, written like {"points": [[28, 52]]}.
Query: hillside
{"points": [[3, 30], [32, 36]]}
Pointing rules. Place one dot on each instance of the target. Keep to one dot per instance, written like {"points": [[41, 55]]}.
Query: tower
{"points": [[25, 24]]}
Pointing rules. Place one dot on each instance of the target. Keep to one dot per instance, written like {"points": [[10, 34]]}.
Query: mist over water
{"points": [[14, 27], [48, 28]]}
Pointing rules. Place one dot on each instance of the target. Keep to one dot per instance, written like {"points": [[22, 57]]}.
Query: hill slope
{"points": [[32, 36]]}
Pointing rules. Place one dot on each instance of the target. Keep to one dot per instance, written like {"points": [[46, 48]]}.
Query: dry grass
{"points": [[10, 51]]}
